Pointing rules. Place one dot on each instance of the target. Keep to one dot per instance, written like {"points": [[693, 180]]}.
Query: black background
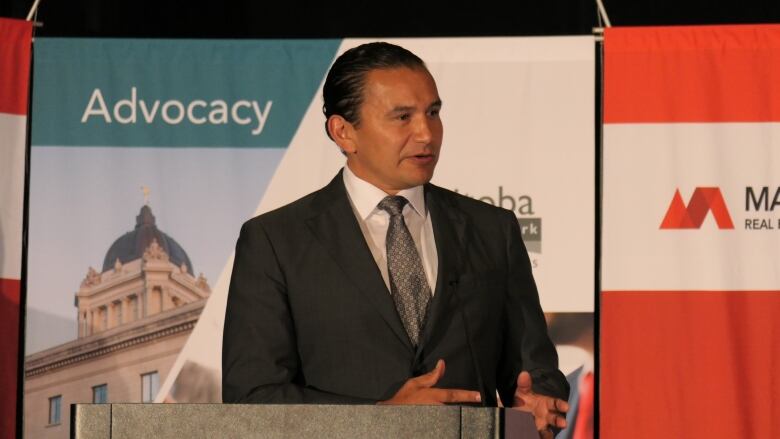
{"points": [[286, 19]]}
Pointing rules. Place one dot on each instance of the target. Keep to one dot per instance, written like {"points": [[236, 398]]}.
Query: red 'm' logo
{"points": [[703, 200]]}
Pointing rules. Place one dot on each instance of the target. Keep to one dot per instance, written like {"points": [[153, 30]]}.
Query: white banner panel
{"points": [[518, 122], [650, 162]]}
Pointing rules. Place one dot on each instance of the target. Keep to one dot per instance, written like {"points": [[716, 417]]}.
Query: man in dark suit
{"points": [[381, 287]]}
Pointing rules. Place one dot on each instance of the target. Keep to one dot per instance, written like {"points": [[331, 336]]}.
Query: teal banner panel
{"points": [[174, 93]]}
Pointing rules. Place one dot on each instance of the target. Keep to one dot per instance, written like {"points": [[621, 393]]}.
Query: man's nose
{"points": [[422, 130]]}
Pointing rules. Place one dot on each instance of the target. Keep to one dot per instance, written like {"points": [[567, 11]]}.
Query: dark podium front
{"points": [[163, 421]]}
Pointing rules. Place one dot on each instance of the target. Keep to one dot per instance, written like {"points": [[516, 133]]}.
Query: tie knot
{"points": [[393, 205]]}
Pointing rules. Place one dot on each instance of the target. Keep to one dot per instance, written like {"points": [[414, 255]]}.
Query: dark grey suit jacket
{"points": [[310, 320]]}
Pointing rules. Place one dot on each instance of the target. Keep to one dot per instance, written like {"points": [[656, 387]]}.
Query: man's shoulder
{"points": [[303, 208], [286, 215]]}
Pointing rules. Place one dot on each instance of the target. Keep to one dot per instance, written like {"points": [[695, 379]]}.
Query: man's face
{"points": [[397, 142]]}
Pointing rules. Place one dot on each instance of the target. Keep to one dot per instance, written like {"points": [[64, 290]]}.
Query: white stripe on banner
{"points": [[14, 129], [648, 163]]}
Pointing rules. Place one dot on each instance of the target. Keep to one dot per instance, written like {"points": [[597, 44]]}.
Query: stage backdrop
{"points": [[149, 154], [691, 239]]}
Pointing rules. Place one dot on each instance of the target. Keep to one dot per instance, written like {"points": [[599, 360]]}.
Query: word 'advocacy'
{"points": [[173, 112]]}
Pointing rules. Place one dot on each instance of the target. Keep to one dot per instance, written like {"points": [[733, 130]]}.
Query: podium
{"points": [[191, 421]]}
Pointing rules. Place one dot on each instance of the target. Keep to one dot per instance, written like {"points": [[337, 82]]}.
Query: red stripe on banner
{"points": [[9, 354], [15, 43], [692, 74], [690, 364]]}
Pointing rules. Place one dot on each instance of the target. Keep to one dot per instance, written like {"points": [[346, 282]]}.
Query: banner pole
{"points": [[33, 10], [603, 13]]}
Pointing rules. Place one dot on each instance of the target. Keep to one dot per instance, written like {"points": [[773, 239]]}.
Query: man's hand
{"points": [[420, 390], [547, 411]]}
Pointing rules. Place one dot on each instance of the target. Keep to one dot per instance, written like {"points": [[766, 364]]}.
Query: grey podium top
{"points": [[163, 421]]}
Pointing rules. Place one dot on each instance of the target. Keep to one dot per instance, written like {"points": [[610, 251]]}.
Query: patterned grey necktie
{"points": [[408, 284]]}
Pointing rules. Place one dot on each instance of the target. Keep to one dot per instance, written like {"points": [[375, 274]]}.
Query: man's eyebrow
{"points": [[404, 108], [401, 109]]}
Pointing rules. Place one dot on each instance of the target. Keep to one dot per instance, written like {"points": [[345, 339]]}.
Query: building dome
{"points": [[131, 245]]}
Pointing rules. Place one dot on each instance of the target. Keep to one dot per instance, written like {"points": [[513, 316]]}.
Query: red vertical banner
{"points": [[15, 48], [690, 334]]}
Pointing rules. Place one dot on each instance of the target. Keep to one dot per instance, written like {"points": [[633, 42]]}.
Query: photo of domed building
{"points": [[134, 317]]}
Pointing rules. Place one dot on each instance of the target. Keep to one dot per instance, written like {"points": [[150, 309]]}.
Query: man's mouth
{"points": [[423, 158]]}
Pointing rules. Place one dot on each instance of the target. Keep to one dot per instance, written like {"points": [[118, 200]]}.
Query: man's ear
{"points": [[343, 133]]}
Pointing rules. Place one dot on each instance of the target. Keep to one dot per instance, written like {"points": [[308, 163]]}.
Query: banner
{"points": [[690, 279], [15, 45], [148, 155]]}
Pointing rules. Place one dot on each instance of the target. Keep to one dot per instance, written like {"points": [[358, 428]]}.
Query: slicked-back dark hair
{"points": [[344, 85]]}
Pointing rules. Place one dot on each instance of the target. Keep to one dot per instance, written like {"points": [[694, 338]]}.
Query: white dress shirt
{"points": [[364, 197]]}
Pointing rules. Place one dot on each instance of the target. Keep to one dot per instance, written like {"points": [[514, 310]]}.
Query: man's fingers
{"points": [[420, 390], [524, 382], [455, 395], [557, 405], [556, 420], [431, 378]]}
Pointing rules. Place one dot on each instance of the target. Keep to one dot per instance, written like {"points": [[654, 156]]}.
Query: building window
{"points": [[156, 303], [104, 317], [55, 402], [150, 384], [134, 307], [100, 394], [119, 316]]}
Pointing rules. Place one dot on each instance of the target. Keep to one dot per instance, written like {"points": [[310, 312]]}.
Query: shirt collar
{"points": [[365, 196]]}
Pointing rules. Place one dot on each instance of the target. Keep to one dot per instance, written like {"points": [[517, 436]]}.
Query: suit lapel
{"points": [[449, 230], [335, 226]]}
